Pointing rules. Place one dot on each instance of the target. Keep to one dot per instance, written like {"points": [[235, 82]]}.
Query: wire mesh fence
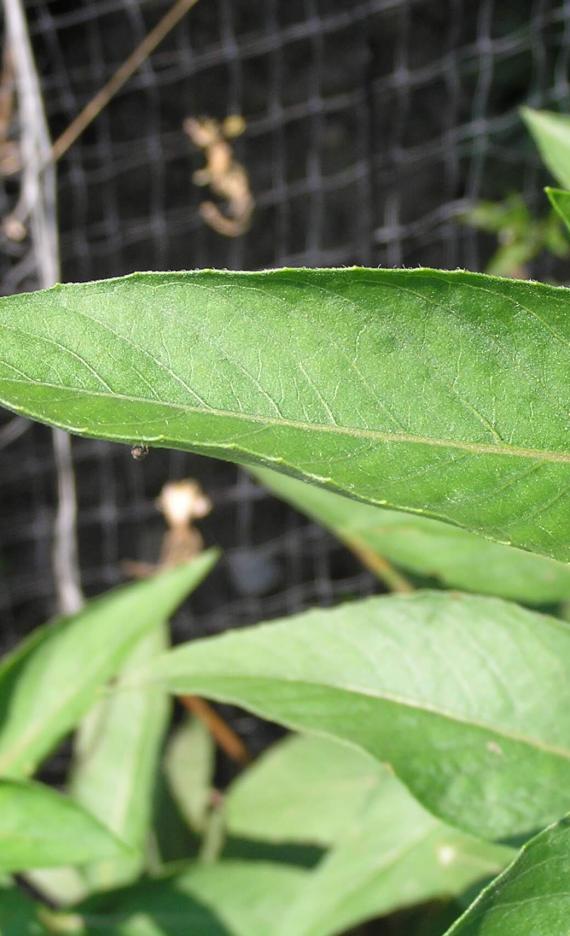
{"points": [[370, 128]]}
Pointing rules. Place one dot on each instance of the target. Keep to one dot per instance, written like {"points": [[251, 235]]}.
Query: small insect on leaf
{"points": [[140, 452]]}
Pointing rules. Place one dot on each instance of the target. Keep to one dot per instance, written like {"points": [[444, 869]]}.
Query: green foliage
{"points": [[319, 373], [468, 698], [236, 898], [428, 548], [117, 755], [560, 200], [386, 853], [521, 237], [39, 828], [395, 855], [436, 725], [52, 679], [551, 133], [304, 789], [18, 914], [531, 896], [189, 768]]}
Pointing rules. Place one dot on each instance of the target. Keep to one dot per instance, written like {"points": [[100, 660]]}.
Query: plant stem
{"points": [[384, 570], [225, 736]]}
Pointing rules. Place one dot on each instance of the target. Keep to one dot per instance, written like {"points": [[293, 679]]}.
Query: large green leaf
{"points": [[39, 828], [227, 899], [428, 547], [551, 134], [394, 856], [467, 697], [116, 762], [303, 789], [530, 898], [52, 679], [441, 393]]}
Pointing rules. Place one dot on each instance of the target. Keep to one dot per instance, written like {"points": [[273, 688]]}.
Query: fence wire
{"points": [[370, 128]]}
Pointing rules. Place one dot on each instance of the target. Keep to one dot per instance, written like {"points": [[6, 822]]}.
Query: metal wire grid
{"points": [[370, 128]]}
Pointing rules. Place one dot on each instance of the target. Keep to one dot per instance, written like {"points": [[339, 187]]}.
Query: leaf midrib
{"points": [[508, 735], [476, 448]]}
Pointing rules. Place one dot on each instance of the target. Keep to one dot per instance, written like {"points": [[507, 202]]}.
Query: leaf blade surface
{"points": [[394, 856], [443, 393], [560, 201], [468, 698], [531, 897], [458, 558], [51, 680], [551, 133], [40, 828], [189, 762], [116, 758], [303, 789], [387, 852], [229, 898]]}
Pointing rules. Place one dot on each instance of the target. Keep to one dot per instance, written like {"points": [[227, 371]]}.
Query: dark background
{"points": [[371, 127]]}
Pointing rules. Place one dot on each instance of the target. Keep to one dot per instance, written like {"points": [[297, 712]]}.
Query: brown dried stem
{"points": [[121, 76]]}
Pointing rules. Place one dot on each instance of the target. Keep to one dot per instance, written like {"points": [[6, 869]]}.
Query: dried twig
{"points": [[225, 736], [38, 201], [181, 503], [65, 547], [381, 568], [121, 76], [37, 195]]}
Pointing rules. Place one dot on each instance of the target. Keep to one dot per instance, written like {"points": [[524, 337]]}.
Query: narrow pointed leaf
{"points": [[530, 898], [551, 133], [426, 547], [468, 698], [560, 201], [39, 828], [51, 680], [116, 762], [442, 393]]}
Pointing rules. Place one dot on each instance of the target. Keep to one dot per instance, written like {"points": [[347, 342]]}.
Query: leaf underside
{"points": [[426, 547]]}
